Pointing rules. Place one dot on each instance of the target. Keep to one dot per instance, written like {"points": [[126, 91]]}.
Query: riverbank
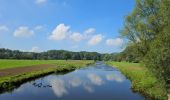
{"points": [[142, 79], [25, 73]]}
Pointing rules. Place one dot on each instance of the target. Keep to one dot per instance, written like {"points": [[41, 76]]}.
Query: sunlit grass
{"points": [[10, 82], [4, 64], [142, 79]]}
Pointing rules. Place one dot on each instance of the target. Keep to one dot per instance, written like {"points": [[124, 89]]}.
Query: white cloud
{"points": [[39, 2], [114, 42], [60, 32], [89, 31], [23, 31], [38, 27], [76, 37], [35, 49], [3, 28], [95, 39]]}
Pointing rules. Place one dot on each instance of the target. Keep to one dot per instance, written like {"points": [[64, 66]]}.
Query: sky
{"points": [[74, 25]]}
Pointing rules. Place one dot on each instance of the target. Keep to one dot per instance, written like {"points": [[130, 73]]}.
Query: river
{"points": [[94, 82]]}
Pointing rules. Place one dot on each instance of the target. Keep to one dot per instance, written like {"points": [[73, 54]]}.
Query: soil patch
{"points": [[22, 70]]}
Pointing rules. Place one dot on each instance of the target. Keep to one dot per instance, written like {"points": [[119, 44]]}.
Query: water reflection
{"points": [[96, 82], [88, 88], [62, 84], [75, 82], [95, 79], [115, 77], [58, 87]]}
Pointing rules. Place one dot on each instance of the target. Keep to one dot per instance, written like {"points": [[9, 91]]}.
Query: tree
{"points": [[141, 26], [148, 28], [67, 55], [158, 58]]}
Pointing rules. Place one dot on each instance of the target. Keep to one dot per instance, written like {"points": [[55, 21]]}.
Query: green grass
{"points": [[10, 82], [142, 79], [4, 64]]}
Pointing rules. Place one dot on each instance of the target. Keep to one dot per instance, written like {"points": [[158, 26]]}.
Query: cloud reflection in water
{"points": [[115, 77], [75, 82], [58, 87], [61, 86], [95, 79]]}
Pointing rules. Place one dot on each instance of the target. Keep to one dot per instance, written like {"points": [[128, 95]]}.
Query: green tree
{"points": [[141, 26], [148, 27], [158, 58], [67, 55]]}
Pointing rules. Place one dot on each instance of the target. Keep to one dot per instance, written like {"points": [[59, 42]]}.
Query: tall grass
{"points": [[142, 79]]}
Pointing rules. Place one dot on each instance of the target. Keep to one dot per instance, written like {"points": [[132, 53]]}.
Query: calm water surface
{"points": [[96, 82]]}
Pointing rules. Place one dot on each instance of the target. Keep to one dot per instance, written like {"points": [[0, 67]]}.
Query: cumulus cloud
{"points": [[23, 31], [95, 39], [114, 42], [89, 31], [39, 2], [3, 28], [76, 37], [38, 27], [60, 32], [35, 49]]}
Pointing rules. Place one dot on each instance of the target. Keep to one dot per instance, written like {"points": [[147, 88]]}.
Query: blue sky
{"points": [[75, 25]]}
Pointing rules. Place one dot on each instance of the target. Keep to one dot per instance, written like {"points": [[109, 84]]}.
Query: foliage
{"points": [[158, 58], [148, 28], [49, 55]]}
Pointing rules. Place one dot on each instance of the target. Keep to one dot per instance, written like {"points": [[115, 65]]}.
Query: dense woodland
{"points": [[126, 55], [54, 55]]}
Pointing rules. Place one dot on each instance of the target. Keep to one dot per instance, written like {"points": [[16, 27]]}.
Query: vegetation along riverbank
{"points": [[15, 72], [143, 80]]}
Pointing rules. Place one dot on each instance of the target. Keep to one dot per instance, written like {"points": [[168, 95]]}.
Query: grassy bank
{"points": [[10, 82], [142, 79]]}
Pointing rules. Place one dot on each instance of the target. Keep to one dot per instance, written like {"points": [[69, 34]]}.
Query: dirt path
{"points": [[26, 69]]}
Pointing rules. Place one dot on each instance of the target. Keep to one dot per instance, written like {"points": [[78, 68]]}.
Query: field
{"points": [[4, 64], [142, 79], [15, 72]]}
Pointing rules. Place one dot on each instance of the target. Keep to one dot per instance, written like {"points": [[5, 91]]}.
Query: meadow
{"points": [[143, 80], [5, 64], [9, 82]]}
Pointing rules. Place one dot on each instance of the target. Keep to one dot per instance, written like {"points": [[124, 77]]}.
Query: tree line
{"points": [[147, 28], [54, 55]]}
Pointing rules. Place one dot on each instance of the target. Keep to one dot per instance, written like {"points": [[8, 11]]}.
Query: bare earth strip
{"points": [[22, 70]]}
